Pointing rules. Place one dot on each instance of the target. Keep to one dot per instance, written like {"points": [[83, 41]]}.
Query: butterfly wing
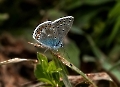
{"points": [[62, 26], [44, 34]]}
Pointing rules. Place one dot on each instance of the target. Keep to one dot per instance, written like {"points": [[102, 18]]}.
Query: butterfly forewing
{"points": [[62, 26]]}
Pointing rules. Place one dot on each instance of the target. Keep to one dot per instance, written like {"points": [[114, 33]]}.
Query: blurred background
{"points": [[93, 43]]}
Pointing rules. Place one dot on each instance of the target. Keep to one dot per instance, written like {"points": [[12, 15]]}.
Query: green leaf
{"points": [[46, 81], [56, 76], [42, 60], [39, 73], [41, 69], [114, 31], [115, 11], [96, 2], [51, 66], [47, 72]]}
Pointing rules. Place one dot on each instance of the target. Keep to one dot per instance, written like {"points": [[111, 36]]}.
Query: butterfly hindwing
{"points": [[43, 34]]}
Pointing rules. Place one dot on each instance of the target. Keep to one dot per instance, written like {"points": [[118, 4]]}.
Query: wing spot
{"points": [[60, 24], [38, 32], [69, 20], [57, 26], [37, 37], [58, 43]]}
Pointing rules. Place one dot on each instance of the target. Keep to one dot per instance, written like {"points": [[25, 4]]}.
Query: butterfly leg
{"points": [[36, 44], [46, 50]]}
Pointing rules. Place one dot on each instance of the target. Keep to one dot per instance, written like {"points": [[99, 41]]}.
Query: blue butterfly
{"points": [[51, 34]]}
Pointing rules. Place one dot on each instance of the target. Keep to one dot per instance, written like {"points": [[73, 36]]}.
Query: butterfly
{"points": [[50, 34]]}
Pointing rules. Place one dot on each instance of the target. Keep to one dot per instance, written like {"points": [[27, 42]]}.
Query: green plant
{"points": [[47, 71]]}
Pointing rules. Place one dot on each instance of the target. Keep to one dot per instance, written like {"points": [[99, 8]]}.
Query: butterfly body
{"points": [[51, 34]]}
